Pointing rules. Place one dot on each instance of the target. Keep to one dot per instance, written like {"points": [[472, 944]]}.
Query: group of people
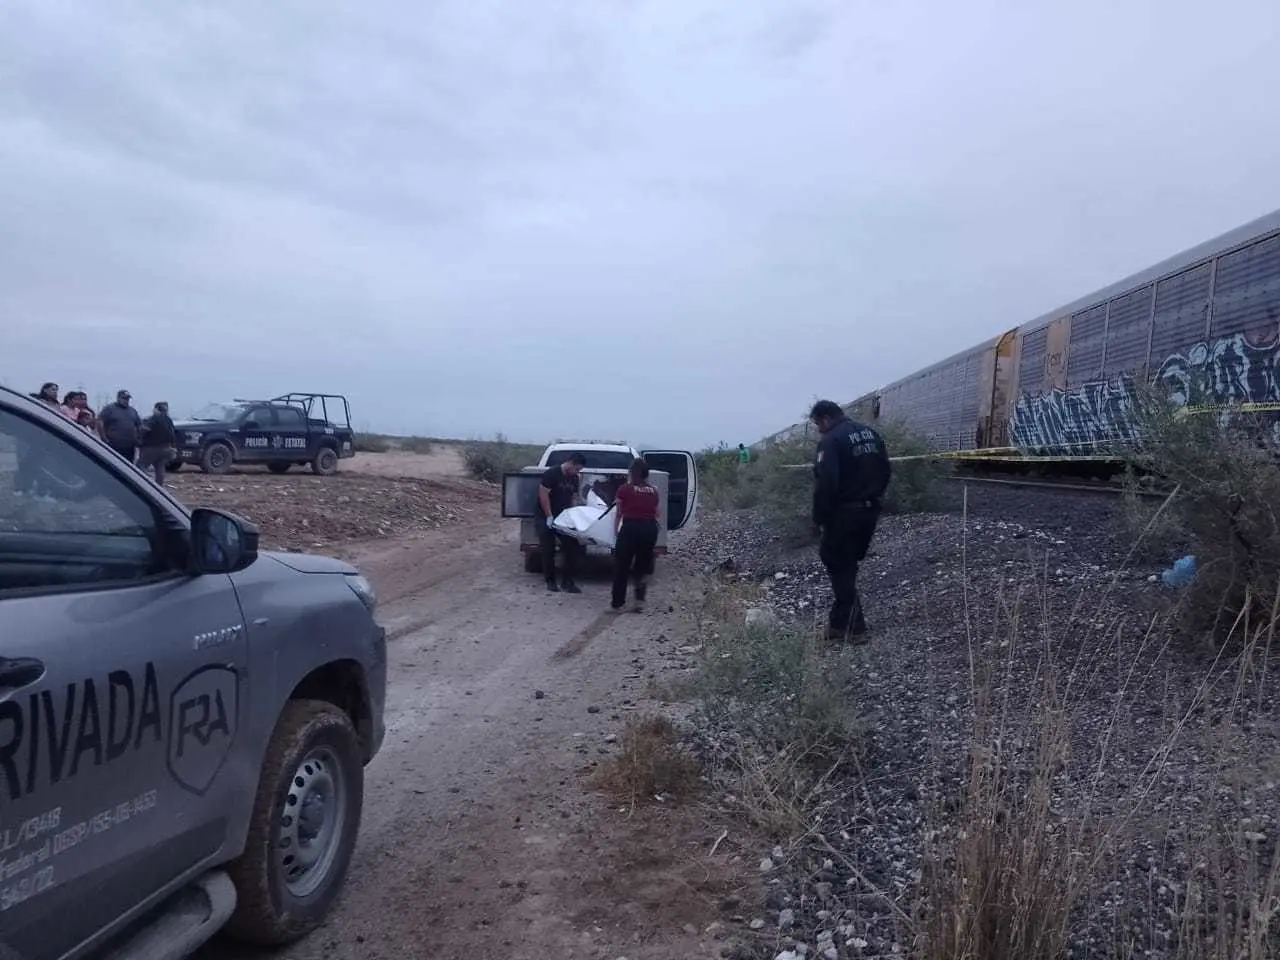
{"points": [[851, 471], [150, 442], [636, 508]]}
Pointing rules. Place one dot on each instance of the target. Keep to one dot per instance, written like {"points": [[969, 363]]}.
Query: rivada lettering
{"points": [[47, 738]]}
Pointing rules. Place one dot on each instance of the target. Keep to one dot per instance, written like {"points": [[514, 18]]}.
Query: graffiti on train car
{"points": [[1078, 421], [1228, 371]]}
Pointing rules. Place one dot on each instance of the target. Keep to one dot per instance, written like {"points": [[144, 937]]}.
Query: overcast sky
{"points": [[672, 221]]}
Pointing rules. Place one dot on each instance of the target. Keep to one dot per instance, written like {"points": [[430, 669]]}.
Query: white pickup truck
{"points": [[673, 472]]}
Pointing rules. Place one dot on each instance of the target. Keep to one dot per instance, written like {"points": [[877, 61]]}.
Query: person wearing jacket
{"points": [[635, 535], [158, 442], [851, 473]]}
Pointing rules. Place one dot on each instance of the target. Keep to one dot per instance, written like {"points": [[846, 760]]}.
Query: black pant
{"points": [[126, 450], [844, 545], [570, 547], [633, 557]]}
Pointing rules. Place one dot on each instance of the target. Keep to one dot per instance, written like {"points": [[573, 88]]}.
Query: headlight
{"points": [[363, 589]]}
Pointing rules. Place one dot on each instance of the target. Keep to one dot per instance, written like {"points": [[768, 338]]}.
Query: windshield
{"points": [[218, 412]]}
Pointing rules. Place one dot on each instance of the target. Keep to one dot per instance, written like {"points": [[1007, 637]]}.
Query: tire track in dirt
{"points": [[479, 836]]}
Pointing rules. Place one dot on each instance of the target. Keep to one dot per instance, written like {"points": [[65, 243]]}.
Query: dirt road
{"points": [[481, 837]]}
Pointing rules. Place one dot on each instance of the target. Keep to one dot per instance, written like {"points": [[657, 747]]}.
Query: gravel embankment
{"points": [[1161, 744]]}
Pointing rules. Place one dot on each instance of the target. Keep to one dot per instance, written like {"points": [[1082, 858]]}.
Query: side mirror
{"points": [[221, 542]]}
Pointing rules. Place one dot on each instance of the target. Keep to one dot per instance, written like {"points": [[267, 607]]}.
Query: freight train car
{"points": [[1203, 324]]}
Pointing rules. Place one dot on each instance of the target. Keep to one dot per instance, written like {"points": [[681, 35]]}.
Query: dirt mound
{"points": [[306, 513]]}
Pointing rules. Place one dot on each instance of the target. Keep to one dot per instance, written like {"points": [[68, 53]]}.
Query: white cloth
{"points": [[590, 523]]}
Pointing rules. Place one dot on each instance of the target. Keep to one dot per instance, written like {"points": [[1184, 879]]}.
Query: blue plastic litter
{"points": [[1181, 573]]}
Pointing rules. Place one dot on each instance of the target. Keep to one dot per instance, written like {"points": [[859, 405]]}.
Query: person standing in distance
{"points": [[851, 473], [636, 534], [559, 491], [121, 426]]}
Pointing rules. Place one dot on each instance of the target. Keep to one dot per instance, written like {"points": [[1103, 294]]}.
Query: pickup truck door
{"points": [[290, 441], [252, 437], [682, 485], [122, 685]]}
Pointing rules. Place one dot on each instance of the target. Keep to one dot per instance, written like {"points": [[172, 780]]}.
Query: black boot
{"points": [[552, 587], [569, 586]]}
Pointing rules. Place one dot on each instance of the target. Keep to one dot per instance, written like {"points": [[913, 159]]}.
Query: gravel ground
{"points": [[1169, 753]]}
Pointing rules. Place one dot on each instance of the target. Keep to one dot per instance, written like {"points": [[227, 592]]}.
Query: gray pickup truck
{"points": [[184, 721]]}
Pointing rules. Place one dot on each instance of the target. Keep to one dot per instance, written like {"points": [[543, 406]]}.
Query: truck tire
{"points": [[217, 458], [533, 562], [305, 818], [279, 467], [325, 462]]}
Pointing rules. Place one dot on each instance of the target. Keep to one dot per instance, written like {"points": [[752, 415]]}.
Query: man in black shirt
{"points": [[158, 440], [120, 426], [558, 491], [851, 473]]}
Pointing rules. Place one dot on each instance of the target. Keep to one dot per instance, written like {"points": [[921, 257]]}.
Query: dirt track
{"points": [[480, 836]]}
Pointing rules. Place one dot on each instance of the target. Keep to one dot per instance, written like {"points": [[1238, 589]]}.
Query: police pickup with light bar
{"points": [[292, 429]]}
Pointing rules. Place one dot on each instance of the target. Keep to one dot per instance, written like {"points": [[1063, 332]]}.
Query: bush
{"points": [[779, 704], [651, 763], [419, 445], [1224, 504], [488, 460], [372, 443]]}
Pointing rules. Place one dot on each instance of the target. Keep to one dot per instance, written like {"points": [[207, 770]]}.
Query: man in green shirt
{"points": [[744, 455]]}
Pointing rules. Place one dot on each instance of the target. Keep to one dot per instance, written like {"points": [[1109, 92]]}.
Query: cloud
{"points": [[451, 211]]}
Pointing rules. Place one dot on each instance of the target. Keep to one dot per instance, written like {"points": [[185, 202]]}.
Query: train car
{"points": [[1205, 324]]}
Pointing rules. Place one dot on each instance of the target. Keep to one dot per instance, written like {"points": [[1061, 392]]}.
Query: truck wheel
{"points": [[533, 562], [326, 462], [217, 458], [305, 819], [279, 467]]}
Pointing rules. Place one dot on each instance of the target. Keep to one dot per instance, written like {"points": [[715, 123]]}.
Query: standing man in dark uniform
{"points": [[851, 473], [559, 491]]}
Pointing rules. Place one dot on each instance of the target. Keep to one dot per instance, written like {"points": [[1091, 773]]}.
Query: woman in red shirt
{"points": [[636, 534]]}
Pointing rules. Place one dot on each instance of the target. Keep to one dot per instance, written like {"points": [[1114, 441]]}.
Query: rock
{"points": [[786, 919], [610, 738], [766, 865], [761, 616], [538, 695], [756, 924], [593, 709], [831, 953], [823, 890]]}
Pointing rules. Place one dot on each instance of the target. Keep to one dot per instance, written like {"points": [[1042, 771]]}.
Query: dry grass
{"points": [[1010, 871], [650, 764]]}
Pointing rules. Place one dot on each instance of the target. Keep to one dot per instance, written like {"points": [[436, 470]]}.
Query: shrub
{"points": [[372, 443], [779, 704], [488, 460], [420, 445], [650, 763], [1225, 501]]}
